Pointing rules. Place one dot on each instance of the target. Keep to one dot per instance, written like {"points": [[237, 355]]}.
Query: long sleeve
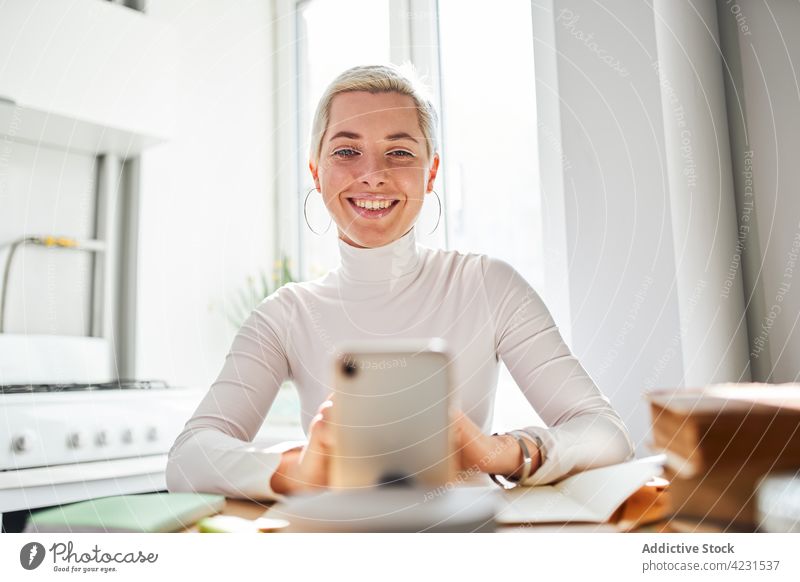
{"points": [[583, 430], [215, 452]]}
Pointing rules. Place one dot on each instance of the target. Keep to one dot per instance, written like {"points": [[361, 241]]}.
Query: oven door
{"points": [[45, 486]]}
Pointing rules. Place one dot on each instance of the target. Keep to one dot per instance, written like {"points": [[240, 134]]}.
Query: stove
{"points": [[65, 440], [77, 419], [83, 386], [61, 443], [53, 424]]}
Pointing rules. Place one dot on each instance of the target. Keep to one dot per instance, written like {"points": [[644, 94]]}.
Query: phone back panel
{"points": [[391, 416]]}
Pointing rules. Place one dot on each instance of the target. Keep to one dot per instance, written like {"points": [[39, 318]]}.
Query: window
{"points": [[490, 159], [491, 167]]}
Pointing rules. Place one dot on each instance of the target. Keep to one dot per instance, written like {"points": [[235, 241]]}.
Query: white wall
{"points": [[46, 191], [606, 205], [206, 196]]}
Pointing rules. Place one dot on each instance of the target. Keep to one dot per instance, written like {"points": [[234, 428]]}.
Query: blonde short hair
{"points": [[386, 78]]}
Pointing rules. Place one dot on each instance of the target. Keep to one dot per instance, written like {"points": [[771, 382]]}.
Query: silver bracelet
{"points": [[526, 466], [540, 446]]}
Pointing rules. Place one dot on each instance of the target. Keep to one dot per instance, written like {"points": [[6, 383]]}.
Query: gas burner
{"points": [[85, 387]]}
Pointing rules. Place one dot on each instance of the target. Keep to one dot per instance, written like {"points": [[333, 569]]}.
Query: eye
{"points": [[402, 154], [345, 153]]}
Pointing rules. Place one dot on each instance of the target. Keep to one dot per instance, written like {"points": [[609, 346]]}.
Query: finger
{"points": [[324, 412], [315, 450], [314, 464], [467, 429], [326, 436], [325, 404], [315, 420], [467, 422], [320, 434]]}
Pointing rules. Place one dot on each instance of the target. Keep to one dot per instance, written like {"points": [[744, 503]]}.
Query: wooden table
{"points": [[645, 510]]}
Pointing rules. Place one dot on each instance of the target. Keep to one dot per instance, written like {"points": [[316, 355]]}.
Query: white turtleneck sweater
{"points": [[480, 305]]}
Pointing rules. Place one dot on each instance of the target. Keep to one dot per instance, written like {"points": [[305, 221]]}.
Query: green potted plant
{"points": [[255, 290]]}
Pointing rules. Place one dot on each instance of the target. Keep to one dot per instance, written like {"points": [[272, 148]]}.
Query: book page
{"points": [[542, 504], [591, 496]]}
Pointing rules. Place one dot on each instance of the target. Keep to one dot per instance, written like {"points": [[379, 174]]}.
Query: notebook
{"points": [[151, 512], [590, 496]]}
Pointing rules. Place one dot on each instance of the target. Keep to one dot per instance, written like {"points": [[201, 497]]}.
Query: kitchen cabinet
{"points": [[86, 76]]}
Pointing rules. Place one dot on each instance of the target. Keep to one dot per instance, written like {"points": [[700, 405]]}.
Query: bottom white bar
{"points": [[388, 557]]}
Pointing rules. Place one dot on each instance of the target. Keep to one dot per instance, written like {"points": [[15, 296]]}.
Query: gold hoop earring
{"points": [[438, 218], [305, 215]]}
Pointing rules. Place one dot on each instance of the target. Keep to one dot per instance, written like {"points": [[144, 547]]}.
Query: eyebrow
{"points": [[392, 137]]}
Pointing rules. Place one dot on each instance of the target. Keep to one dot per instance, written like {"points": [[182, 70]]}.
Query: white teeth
{"points": [[373, 204]]}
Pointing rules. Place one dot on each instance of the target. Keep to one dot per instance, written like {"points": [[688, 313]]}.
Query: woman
{"points": [[374, 160]]}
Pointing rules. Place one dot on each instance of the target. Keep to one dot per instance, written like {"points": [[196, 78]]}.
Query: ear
{"points": [[432, 173], [314, 173]]}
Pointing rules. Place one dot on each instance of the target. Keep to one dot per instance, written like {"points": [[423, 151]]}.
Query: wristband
{"points": [[527, 464], [539, 445]]}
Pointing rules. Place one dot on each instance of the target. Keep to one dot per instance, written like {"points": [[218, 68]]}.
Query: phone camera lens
{"points": [[349, 368]]}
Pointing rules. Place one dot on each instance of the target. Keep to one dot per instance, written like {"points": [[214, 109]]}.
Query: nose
{"points": [[373, 171]]}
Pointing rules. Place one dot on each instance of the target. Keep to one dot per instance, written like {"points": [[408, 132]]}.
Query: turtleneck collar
{"points": [[384, 263]]}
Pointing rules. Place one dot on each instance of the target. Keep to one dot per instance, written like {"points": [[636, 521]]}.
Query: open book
{"points": [[590, 496]]}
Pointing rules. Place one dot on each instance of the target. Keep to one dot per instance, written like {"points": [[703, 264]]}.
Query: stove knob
{"points": [[23, 443], [75, 440], [127, 436], [101, 438], [152, 434]]}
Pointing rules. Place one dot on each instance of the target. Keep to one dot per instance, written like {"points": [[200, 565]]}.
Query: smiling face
{"points": [[374, 169]]}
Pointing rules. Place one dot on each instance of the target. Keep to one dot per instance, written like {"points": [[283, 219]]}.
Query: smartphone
{"points": [[391, 417]]}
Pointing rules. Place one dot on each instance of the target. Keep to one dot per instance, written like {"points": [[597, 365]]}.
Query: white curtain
{"points": [[704, 221]]}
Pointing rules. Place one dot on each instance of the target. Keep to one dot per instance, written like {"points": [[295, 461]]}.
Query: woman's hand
{"points": [[499, 454], [306, 469]]}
